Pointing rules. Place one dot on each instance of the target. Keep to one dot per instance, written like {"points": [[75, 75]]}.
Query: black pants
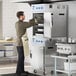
{"points": [[20, 64]]}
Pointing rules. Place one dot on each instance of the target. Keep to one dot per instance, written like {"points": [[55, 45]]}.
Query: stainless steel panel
{"points": [[60, 21]]}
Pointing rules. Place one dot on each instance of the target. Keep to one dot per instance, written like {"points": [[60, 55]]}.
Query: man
{"points": [[21, 30]]}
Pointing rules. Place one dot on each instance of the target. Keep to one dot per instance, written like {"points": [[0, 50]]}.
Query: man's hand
{"points": [[34, 21]]}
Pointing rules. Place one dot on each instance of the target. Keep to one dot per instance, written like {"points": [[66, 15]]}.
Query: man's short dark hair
{"points": [[20, 13]]}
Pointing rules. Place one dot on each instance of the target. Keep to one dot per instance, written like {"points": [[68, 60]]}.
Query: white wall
{"points": [[0, 20], [9, 16]]}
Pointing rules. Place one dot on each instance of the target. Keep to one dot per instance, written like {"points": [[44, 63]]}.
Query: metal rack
{"points": [[6, 43], [69, 59]]}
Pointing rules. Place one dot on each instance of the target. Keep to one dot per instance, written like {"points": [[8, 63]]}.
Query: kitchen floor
{"points": [[8, 68], [11, 68]]}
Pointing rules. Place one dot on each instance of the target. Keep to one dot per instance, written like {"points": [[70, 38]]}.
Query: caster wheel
{"points": [[44, 73], [52, 72], [35, 71]]}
